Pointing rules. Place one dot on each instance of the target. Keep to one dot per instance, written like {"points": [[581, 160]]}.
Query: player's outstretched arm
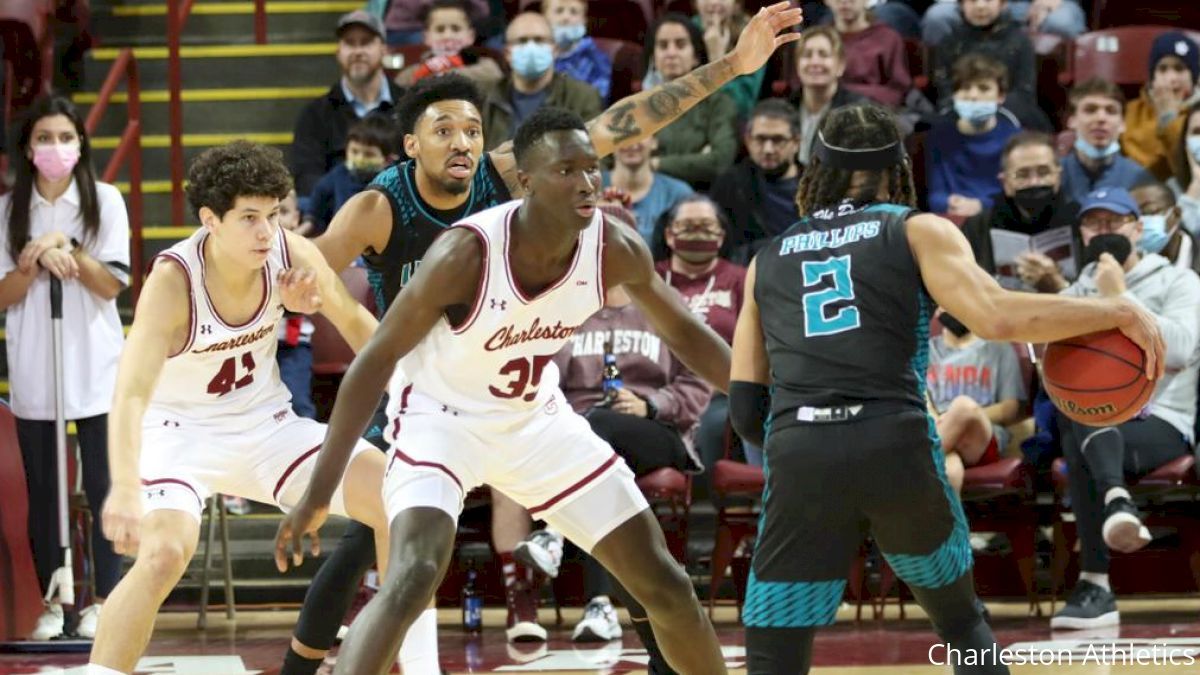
{"points": [[363, 223], [627, 263], [750, 374], [312, 275], [643, 114], [160, 327], [968, 292]]}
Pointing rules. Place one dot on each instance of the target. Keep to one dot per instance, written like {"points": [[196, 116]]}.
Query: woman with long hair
{"points": [[60, 220], [1186, 181]]}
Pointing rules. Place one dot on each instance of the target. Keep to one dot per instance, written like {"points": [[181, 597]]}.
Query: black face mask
{"points": [[1034, 200], [953, 325], [1118, 245]]}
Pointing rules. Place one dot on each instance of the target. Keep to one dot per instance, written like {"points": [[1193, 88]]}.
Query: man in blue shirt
{"points": [[1098, 117]]}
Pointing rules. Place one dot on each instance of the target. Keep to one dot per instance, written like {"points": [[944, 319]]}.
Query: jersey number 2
{"points": [[525, 372], [817, 321], [226, 379]]}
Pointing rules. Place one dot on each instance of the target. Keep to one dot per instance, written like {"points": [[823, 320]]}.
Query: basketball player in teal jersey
{"points": [[408, 205], [835, 323]]}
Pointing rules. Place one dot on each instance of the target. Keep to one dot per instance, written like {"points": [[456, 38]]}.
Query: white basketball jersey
{"points": [[223, 370], [499, 359]]}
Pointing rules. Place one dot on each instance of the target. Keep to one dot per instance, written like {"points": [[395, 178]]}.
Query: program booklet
{"points": [[1008, 245]]}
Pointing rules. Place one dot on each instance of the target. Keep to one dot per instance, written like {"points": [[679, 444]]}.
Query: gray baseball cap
{"points": [[361, 17]]}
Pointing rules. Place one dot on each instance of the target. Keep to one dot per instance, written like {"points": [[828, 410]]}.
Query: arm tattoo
{"points": [[712, 76], [664, 103], [622, 123]]}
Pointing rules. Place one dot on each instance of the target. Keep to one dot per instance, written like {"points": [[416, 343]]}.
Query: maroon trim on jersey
{"points": [[291, 468], [481, 288], [601, 250], [397, 454], [262, 306], [176, 481], [396, 422], [512, 281], [576, 487], [173, 256], [283, 248]]}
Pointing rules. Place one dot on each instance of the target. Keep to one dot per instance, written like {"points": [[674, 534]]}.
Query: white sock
{"points": [[1100, 580], [1114, 493], [419, 651], [93, 669]]}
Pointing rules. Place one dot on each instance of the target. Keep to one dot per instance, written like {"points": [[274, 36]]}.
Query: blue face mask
{"points": [[1092, 152], [531, 60], [977, 113], [1154, 233], [569, 35], [1193, 147]]}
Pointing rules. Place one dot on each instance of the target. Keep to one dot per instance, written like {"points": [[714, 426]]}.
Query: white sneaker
{"points": [[542, 550], [599, 623], [49, 624], [88, 619]]}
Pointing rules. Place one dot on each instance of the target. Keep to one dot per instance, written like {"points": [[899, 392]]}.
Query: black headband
{"points": [[866, 159]]}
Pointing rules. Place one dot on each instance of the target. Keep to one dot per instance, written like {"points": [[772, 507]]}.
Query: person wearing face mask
{"points": [[1100, 459], [963, 152], [578, 55], [450, 38], [59, 221], [534, 83], [975, 390], [1186, 181], [987, 30], [371, 145], [1162, 226], [1096, 161], [1154, 121], [1031, 202]]}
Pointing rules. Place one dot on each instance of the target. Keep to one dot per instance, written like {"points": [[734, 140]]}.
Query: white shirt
{"points": [[92, 336]]}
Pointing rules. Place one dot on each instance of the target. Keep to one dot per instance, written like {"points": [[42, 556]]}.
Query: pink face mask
{"points": [[56, 161]]}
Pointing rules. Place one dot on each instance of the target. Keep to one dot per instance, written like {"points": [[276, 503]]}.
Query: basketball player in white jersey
{"points": [[498, 295], [198, 388]]}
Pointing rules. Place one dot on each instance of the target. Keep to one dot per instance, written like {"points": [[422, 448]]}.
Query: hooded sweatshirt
{"points": [[1172, 295]]}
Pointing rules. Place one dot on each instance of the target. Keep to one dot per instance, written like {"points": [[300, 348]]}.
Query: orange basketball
{"points": [[1097, 379]]}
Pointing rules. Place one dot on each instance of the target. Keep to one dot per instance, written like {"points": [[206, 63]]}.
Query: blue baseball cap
{"points": [[1115, 199]]}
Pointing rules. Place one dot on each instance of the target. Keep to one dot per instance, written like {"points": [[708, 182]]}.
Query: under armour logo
{"points": [[281, 415], [503, 304], [206, 329], [171, 423], [446, 408]]}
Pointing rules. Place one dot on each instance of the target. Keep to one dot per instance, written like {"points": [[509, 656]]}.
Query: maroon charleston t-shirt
{"points": [[715, 297]]}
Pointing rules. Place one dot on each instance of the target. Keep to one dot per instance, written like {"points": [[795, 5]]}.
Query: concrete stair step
{"points": [[209, 111], [226, 66], [145, 23], [156, 150]]}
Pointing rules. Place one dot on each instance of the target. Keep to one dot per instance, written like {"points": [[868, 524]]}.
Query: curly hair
{"points": [[239, 169], [857, 127], [541, 122], [430, 90]]}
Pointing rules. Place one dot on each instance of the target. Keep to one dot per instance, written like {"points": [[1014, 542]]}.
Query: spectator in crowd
{"points": [[651, 193], [722, 21], [450, 38], [987, 31], [876, 63], [578, 55], [977, 391], [901, 15], [319, 141], [529, 48], [371, 144], [1096, 161], [1154, 121], [964, 150], [1032, 201], [820, 60], [1186, 182], [1099, 459], [758, 194], [1162, 226], [295, 334], [60, 221], [405, 20], [1060, 17], [712, 288], [695, 147]]}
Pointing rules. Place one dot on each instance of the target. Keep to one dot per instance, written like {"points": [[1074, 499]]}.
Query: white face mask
{"points": [[1193, 147]]}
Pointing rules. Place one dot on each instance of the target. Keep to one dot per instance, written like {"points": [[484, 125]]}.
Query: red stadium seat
{"points": [[629, 66], [669, 492], [1120, 55], [25, 27], [331, 354], [733, 480], [1112, 13]]}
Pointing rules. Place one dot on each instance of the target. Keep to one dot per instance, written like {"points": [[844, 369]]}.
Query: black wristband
{"points": [[749, 405]]}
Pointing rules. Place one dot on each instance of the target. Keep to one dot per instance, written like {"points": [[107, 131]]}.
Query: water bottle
{"points": [[610, 378], [472, 605]]}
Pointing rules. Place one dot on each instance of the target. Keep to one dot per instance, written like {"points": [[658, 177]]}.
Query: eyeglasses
{"points": [[762, 140], [1105, 224], [701, 225], [1030, 173]]}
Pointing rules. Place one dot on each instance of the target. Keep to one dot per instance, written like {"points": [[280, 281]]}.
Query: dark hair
{"points": [[778, 109], [1096, 86], [658, 238], [1183, 168], [543, 121], [376, 130], [974, 67], [436, 5], [239, 169], [430, 90], [1159, 187], [23, 185], [693, 32], [857, 127], [1025, 139]]}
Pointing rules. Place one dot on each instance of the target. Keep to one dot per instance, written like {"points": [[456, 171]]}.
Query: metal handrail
{"points": [[129, 149]]}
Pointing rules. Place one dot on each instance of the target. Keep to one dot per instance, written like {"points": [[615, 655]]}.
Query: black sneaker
{"points": [[1089, 606], [1123, 529]]}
